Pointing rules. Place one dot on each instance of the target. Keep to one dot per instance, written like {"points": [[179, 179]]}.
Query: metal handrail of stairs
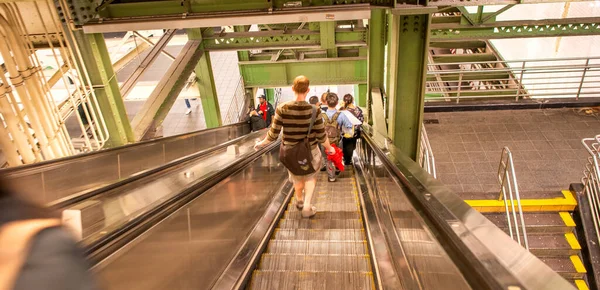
{"points": [[591, 179], [509, 193], [533, 78], [426, 158]]}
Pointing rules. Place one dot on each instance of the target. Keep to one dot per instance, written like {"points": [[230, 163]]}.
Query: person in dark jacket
{"points": [[256, 122], [265, 110], [37, 252]]}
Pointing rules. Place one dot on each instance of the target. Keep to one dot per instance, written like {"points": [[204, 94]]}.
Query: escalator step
{"points": [[315, 263], [310, 280], [325, 215], [320, 224], [318, 247], [327, 205], [303, 234]]}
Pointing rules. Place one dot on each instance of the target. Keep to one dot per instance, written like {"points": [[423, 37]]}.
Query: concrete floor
{"points": [[546, 147]]}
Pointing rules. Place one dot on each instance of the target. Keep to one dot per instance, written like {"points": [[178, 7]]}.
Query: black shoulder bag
{"points": [[298, 158]]}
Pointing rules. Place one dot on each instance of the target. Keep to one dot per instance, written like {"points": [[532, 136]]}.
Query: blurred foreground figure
{"points": [[36, 252]]}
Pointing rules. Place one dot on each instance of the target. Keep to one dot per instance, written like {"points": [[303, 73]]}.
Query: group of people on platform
{"points": [[322, 124]]}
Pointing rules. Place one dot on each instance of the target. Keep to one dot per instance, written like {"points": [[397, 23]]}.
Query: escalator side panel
{"points": [[191, 248], [48, 181]]}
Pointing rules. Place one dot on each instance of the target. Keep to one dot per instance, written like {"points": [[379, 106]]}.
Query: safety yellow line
{"points": [[567, 219], [581, 285], [573, 242], [565, 203], [579, 267]]}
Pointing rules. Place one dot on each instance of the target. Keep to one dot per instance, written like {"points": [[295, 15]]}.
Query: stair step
{"points": [[471, 57], [315, 263], [553, 245], [565, 266], [311, 280], [317, 247], [537, 223], [325, 215], [304, 234], [457, 44], [320, 224], [347, 203]]}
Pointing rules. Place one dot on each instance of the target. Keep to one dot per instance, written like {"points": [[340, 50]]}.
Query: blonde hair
{"points": [[300, 85]]}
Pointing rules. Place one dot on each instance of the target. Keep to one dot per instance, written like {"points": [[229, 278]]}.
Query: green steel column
{"points": [[206, 85], [376, 57], [360, 95], [407, 80], [100, 70], [270, 94], [327, 30], [243, 55]]}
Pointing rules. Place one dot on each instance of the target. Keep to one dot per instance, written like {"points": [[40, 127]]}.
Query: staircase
{"points": [[468, 70]]}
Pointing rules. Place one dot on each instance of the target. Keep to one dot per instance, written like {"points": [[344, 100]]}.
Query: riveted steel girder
{"points": [[517, 29], [328, 71], [407, 80], [162, 98]]}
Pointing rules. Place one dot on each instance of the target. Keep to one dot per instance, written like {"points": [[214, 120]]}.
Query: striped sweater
{"points": [[293, 118]]}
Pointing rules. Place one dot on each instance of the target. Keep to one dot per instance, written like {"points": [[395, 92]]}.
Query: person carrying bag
{"points": [[299, 153]]}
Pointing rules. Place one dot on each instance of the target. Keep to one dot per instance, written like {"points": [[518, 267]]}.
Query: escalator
{"points": [[329, 251], [385, 224], [56, 181]]}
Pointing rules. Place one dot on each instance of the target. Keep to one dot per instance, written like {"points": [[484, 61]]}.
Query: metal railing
{"points": [[426, 159], [540, 78], [509, 193], [238, 106], [591, 179]]}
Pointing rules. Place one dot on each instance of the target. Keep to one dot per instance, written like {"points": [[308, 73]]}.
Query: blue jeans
{"points": [[187, 104]]}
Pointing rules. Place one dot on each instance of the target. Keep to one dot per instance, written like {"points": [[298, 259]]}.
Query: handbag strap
{"points": [[312, 120]]}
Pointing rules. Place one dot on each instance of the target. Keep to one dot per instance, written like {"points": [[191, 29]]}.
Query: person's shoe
{"points": [[337, 172], [189, 111], [309, 212], [324, 168], [300, 204], [331, 179]]}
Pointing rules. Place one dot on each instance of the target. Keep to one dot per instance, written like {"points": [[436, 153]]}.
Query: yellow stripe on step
{"points": [[567, 219], [573, 242], [581, 285], [579, 267]]}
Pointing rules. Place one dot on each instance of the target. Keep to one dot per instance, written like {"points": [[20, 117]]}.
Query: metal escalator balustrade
{"points": [[190, 247], [328, 251], [106, 215], [53, 180], [488, 258]]}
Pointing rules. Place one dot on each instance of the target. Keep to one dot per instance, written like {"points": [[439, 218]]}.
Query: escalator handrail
{"points": [[102, 248], [39, 166], [480, 265], [73, 199]]}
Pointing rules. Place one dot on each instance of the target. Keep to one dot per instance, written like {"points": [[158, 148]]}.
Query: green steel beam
{"points": [[100, 70], [206, 84], [270, 94], [360, 95], [151, 8], [407, 87], [328, 71], [243, 55], [517, 29], [327, 36], [162, 98], [376, 54]]}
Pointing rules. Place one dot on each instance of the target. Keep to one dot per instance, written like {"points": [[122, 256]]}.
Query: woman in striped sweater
{"points": [[293, 119]]}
